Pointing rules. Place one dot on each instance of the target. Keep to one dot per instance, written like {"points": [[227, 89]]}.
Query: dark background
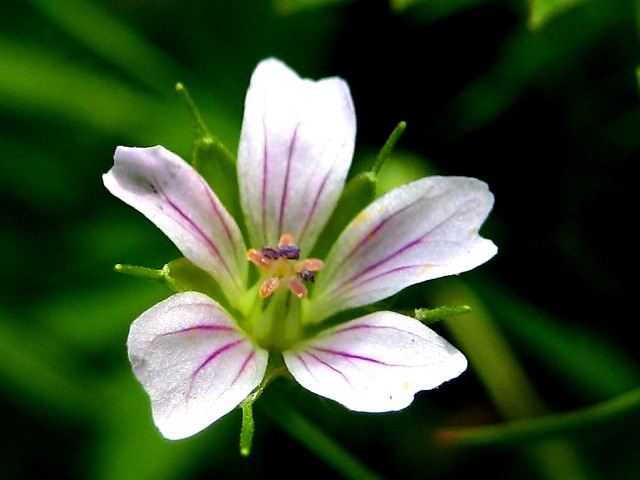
{"points": [[548, 116]]}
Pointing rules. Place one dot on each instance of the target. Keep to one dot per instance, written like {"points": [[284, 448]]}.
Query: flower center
{"points": [[277, 324], [283, 266]]}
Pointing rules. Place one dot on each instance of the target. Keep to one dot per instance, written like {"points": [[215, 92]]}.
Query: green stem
{"points": [[617, 409], [317, 441], [499, 370]]}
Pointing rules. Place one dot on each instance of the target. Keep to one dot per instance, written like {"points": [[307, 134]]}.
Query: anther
{"points": [[307, 275], [286, 240], [271, 253], [289, 252], [269, 286], [259, 258], [297, 287]]}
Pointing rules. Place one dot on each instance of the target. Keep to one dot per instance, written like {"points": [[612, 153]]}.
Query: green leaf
{"points": [[584, 360], [431, 10], [293, 6], [41, 83], [41, 372], [129, 447], [91, 24], [541, 11]]}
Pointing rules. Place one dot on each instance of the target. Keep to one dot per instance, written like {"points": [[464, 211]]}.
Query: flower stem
{"points": [[623, 407], [498, 368], [317, 441]]}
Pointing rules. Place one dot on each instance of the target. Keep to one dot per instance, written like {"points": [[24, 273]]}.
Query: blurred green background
{"points": [[539, 99]]}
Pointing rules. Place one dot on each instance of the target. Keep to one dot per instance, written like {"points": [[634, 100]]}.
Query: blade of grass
{"points": [[506, 382], [35, 82], [622, 408], [109, 37], [317, 441]]}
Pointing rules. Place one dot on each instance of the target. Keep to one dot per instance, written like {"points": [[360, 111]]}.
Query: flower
{"points": [[198, 357]]}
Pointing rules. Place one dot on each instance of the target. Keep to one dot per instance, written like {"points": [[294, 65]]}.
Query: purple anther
{"points": [[290, 252], [271, 253], [307, 275]]}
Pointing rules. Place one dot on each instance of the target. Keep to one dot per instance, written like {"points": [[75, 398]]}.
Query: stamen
{"points": [[271, 253], [269, 286], [286, 240], [290, 252], [259, 259], [280, 270], [307, 275], [297, 287], [312, 264]]}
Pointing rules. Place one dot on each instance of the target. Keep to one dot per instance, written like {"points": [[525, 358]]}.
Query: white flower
{"points": [[198, 358]]}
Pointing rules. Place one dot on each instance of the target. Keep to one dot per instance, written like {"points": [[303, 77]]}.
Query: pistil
{"points": [[278, 323]]}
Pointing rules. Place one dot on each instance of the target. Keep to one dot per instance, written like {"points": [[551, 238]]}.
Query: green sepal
{"points": [[433, 315], [179, 276], [247, 429], [359, 192], [389, 145], [212, 159], [186, 277], [217, 165], [148, 274]]}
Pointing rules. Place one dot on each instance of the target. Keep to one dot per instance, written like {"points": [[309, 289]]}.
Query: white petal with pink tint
{"points": [[419, 231], [193, 361], [375, 363], [296, 146], [171, 194]]}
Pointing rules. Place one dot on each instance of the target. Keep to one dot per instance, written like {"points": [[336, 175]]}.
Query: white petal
{"points": [[171, 194], [376, 363], [295, 151], [419, 231], [193, 361]]}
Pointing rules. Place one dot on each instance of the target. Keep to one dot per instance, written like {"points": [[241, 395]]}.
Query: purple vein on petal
{"points": [[371, 235], [351, 356], [200, 328], [265, 169], [243, 367], [384, 260], [214, 206], [215, 355], [365, 326], [285, 189], [319, 191], [212, 246], [321, 362], [350, 328], [376, 230], [314, 205]]}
